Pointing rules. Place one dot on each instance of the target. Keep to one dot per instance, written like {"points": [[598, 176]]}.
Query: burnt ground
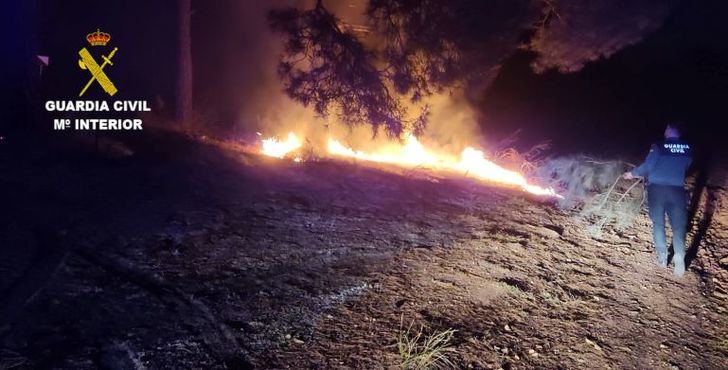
{"points": [[186, 256]]}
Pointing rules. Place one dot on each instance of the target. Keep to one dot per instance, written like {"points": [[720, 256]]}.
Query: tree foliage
{"points": [[411, 49], [327, 67], [582, 31]]}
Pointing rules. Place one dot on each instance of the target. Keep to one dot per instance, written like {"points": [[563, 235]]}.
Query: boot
{"points": [[679, 265], [662, 259]]}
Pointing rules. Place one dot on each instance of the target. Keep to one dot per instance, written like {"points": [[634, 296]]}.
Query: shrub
{"points": [[594, 190]]}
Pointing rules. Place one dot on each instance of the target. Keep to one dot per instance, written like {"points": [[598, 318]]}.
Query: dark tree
{"points": [[330, 68], [416, 48]]}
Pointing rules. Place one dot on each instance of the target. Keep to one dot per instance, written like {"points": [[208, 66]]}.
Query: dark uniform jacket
{"points": [[666, 164]]}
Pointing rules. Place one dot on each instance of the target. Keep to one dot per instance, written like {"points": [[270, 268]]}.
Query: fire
{"points": [[471, 162], [274, 148], [412, 153]]}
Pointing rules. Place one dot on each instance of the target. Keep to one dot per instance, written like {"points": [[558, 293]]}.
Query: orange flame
{"points": [[274, 148], [471, 161], [413, 154]]}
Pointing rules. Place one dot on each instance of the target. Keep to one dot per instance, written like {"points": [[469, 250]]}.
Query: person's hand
{"points": [[628, 176]]}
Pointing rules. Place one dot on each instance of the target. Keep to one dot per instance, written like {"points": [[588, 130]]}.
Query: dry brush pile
{"points": [[595, 191], [592, 189]]}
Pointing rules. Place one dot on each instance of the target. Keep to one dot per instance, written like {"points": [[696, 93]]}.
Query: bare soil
{"points": [[188, 256]]}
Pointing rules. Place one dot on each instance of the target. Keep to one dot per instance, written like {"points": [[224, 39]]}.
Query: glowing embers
{"points": [[275, 148]]}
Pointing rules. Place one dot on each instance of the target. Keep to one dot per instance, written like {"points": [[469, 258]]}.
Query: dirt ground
{"points": [[193, 257]]}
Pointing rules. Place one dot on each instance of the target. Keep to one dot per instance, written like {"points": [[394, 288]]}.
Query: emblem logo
{"points": [[88, 62]]}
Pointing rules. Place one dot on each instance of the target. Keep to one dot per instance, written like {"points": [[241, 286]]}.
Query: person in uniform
{"points": [[664, 170]]}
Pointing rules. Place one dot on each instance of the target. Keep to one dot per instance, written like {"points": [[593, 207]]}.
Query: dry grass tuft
{"points": [[420, 351]]}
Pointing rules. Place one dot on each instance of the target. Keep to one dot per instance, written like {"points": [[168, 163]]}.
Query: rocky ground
{"points": [[186, 256]]}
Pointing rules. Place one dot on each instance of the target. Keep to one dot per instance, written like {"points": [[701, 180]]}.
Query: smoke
{"points": [[237, 87], [453, 123], [242, 91], [265, 107], [236, 60]]}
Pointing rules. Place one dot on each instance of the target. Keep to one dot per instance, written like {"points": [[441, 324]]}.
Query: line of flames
{"points": [[413, 154]]}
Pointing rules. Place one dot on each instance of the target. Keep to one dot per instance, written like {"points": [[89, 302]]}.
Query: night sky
{"points": [[621, 104]]}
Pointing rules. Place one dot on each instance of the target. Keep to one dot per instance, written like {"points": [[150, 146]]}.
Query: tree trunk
{"points": [[184, 70]]}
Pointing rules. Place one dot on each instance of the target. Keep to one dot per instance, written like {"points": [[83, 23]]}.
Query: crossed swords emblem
{"points": [[88, 62]]}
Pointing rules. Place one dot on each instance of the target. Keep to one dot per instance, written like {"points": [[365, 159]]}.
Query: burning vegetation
{"points": [[300, 234], [280, 148], [412, 154], [389, 70], [413, 50]]}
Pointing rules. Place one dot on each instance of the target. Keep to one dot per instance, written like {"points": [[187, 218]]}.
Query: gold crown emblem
{"points": [[98, 38]]}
